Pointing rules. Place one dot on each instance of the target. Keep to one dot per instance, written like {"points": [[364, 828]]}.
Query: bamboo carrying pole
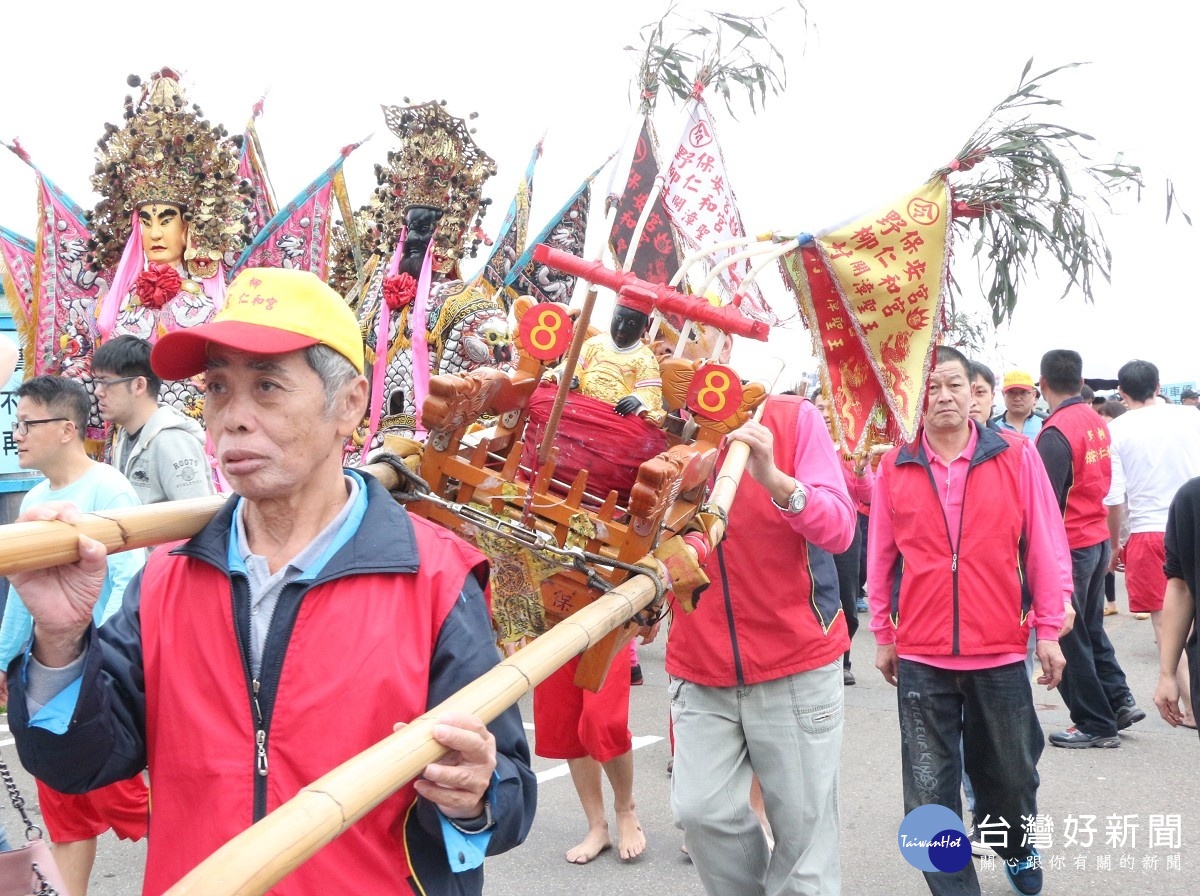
{"points": [[37, 545], [578, 337]]}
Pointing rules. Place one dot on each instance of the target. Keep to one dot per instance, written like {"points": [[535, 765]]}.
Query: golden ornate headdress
{"points": [[167, 152], [438, 165]]}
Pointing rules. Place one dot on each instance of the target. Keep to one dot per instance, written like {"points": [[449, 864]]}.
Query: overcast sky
{"points": [[878, 96]]}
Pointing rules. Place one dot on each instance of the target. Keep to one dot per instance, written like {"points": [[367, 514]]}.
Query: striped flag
{"points": [[298, 235], [565, 231], [16, 270], [252, 167], [510, 242]]}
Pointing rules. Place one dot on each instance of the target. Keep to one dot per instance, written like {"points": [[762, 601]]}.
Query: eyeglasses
{"points": [[108, 384], [22, 426]]}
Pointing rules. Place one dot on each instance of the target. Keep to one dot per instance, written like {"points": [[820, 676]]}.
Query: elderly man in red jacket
{"points": [[967, 552], [305, 620]]}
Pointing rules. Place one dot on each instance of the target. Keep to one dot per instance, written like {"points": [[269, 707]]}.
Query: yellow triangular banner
{"points": [[889, 270]]}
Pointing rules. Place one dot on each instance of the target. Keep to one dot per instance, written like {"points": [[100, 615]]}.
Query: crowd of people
{"points": [[312, 587]]}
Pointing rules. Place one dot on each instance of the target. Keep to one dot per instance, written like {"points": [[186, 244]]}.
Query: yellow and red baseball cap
{"points": [[1018, 379], [268, 311]]}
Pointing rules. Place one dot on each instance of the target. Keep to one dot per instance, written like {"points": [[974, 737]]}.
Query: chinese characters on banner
{"points": [[8, 413], [656, 259], [701, 204], [889, 269], [853, 388]]}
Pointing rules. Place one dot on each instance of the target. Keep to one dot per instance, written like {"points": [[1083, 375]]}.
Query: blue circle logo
{"points": [[932, 838]]}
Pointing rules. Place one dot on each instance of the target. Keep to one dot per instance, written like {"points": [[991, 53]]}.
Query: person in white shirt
{"points": [[1155, 449]]}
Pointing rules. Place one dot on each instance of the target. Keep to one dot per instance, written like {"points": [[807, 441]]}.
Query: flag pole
{"points": [[623, 163]]}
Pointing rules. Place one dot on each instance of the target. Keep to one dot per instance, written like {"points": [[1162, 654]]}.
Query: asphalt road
{"points": [[1147, 790]]}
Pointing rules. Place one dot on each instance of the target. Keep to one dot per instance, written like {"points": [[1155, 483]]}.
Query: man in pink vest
{"points": [[966, 549], [1073, 444]]}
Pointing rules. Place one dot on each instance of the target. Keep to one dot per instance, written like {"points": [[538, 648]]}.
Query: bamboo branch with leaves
{"points": [[1019, 199], [726, 51]]}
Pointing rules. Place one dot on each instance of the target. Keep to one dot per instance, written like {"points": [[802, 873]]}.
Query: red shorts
{"points": [[1144, 577], [570, 723], [124, 807]]}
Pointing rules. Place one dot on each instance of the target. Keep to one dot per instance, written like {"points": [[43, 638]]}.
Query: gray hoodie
{"points": [[167, 461]]}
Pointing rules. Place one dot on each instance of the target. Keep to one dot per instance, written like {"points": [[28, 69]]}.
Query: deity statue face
{"points": [[421, 222], [628, 326], [164, 232]]}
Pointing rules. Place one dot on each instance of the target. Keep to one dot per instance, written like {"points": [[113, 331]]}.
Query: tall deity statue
{"points": [[417, 314], [174, 214]]}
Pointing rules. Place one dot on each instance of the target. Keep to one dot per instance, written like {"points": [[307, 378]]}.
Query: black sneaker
{"points": [[1128, 714], [1025, 875], [848, 677], [635, 676], [978, 847], [1075, 739]]}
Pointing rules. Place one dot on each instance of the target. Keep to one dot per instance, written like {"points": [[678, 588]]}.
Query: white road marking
{"points": [[563, 769]]}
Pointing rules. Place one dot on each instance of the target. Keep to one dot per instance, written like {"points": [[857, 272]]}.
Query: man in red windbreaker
{"points": [[966, 549]]}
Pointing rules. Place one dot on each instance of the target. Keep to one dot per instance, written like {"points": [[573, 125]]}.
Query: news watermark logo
{"points": [[932, 838]]}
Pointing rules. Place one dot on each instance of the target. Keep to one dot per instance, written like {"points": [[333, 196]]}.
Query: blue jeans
{"points": [[1093, 683], [990, 712], [788, 732]]}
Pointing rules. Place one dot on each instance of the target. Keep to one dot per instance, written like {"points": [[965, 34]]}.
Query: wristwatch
{"points": [[476, 825], [796, 501]]}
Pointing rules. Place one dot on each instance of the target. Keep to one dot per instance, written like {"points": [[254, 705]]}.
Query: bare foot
{"points": [[630, 838], [596, 841]]}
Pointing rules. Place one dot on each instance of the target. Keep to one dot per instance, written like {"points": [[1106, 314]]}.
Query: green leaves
{"points": [[1018, 172], [730, 51]]}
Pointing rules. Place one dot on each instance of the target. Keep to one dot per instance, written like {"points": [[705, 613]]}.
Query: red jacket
{"points": [[975, 602], [1085, 516], [772, 609], [392, 625]]}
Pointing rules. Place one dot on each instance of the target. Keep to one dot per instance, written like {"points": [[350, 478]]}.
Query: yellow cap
{"points": [[1018, 379], [268, 311]]}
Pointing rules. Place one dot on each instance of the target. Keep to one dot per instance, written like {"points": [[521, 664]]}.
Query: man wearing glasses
{"points": [[52, 413], [158, 449]]}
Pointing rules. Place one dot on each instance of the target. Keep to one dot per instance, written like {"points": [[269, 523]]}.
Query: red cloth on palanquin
{"points": [[592, 437]]}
